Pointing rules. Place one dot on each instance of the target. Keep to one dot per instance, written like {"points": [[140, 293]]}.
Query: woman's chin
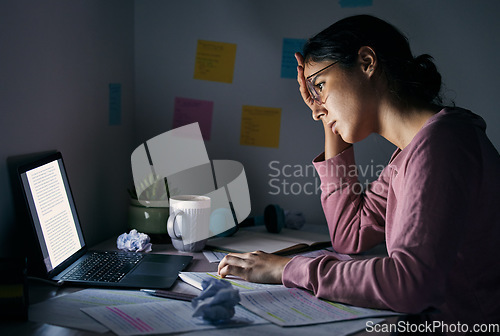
{"points": [[350, 137]]}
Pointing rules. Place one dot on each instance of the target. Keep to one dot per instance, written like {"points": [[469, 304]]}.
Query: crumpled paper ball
{"points": [[216, 302], [294, 219], [134, 242]]}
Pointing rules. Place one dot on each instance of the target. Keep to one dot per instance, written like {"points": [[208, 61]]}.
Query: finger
{"points": [[232, 259], [232, 270], [221, 265], [234, 254], [299, 58], [225, 261], [245, 256], [302, 80], [225, 271], [304, 91], [300, 75]]}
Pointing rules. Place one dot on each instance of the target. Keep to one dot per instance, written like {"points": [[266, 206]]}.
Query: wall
{"points": [[57, 59], [457, 33]]}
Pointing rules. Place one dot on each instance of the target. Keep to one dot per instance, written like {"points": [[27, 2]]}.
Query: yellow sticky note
{"points": [[260, 126], [11, 291], [215, 61]]}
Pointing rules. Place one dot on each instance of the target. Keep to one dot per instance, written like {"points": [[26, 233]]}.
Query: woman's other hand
{"points": [[255, 266]]}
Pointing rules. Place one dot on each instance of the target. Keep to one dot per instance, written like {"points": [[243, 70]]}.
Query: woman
{"points": [[435, 204]]}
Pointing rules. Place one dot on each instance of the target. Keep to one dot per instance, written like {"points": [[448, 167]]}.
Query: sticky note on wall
{"points": [[215, 61], [188, 111], [288, 61], [260, 126]]}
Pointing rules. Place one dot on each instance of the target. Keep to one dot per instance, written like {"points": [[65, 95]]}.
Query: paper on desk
{"points": [[64, 310], [296, 307], [162, 317], [196, 278], [343, 328], [287, 306]]}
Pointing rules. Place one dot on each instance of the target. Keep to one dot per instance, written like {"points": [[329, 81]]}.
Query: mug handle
{"points": [[171, 223]]}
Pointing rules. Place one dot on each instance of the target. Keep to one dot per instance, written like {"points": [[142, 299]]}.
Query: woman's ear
{"points": [[367, 59]]}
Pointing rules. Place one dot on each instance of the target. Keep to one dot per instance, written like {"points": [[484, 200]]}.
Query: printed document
{"points": [[162, 318], [287, 306], [296, 307], [64, 310]]}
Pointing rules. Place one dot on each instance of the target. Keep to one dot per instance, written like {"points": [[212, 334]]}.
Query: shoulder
{"points": [[449, 141], [448, 131], [452, 124]]}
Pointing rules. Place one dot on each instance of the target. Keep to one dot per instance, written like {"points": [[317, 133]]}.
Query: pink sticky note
{"points": [[188, 111]]}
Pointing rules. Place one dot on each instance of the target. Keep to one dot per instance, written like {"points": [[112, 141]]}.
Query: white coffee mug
{"points": [[189, 222]]}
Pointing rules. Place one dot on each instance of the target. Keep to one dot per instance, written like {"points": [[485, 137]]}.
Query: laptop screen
{"points": [[53, 211]]}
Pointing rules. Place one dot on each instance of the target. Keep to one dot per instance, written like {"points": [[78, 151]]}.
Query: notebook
{"points": [[66, 258]]}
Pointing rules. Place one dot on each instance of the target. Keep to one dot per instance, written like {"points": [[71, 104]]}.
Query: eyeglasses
{"points": [[312, 88]]}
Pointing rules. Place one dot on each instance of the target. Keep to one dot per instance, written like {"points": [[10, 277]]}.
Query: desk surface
{"points": [[40, 291]]}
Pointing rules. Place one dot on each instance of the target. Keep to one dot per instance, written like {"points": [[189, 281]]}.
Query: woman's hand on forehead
{"points": [[304, 92]]}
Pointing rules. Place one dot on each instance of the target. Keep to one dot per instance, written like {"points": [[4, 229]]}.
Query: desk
{"points": [[40, 291]]}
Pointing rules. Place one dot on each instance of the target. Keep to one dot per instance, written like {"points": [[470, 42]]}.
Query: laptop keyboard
{"points": [[103, 267]]}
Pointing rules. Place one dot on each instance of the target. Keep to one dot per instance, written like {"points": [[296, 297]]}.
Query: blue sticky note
{"points": [[288, 61], [115, 103], [355, 3]]}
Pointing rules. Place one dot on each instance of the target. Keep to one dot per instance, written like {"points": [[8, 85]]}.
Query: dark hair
{"points": [[411, 81]]}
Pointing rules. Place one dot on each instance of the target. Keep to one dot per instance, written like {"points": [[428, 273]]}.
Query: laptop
{"points": [[64, 253]]}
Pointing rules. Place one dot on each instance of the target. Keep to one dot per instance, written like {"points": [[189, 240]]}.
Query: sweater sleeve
{"points": [[355, 218], [434, 200]]}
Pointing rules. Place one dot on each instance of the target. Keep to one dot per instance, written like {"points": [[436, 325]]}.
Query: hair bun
{"points": [[428, 79], [411, 81]]}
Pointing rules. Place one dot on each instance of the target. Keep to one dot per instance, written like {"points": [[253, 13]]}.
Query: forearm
{"points": [[355, 219], [400, 282]]}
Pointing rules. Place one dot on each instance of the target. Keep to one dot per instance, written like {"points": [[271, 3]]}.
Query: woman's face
{"points": [[348, 99]]}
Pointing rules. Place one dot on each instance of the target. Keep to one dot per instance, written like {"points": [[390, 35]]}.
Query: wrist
{"points": [[279, 270], [334, 144]]}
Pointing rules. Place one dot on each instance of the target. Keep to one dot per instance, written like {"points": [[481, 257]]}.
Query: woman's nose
{"points": [[319, 111]]}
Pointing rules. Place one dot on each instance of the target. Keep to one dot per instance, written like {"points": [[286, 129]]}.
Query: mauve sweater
{"points": [[436, 205]]}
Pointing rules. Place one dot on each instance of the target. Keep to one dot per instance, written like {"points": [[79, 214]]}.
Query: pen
{"points": [[169, 294]]}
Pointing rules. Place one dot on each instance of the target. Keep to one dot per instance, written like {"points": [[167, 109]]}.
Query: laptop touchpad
{"points": [[153, 268]]}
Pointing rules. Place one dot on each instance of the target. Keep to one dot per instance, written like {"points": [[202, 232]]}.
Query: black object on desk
{"points": [[170, 295], [13, 289]]}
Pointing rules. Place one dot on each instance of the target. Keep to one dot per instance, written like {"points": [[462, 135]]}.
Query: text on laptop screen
{"points": [[53, 212]]}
